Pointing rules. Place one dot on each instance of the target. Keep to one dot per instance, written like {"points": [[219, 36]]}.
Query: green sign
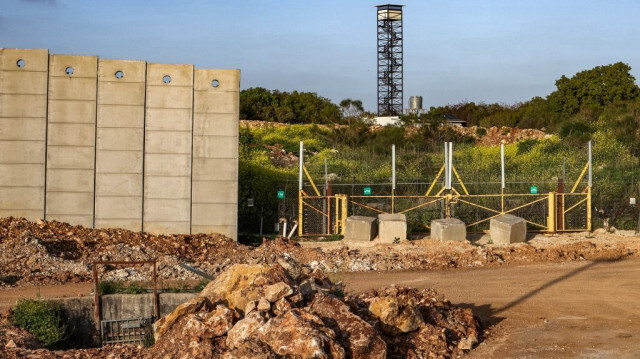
{"points": [[367, 191], [533, 190], [280, 194]]}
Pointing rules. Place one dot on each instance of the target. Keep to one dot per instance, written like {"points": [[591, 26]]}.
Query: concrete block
{"points": [[83, 66], [70, 180], [215, 147], [26, 106], [30, 129], [133, 71], [166, 227], [216, 102], [126, 208], [228, 80], [218, 124], [21, 151], [205, 214], [168, 142], [392, 227], [215, 192], [215, 169], [70, 157], [72, 88], [168, 119], [71, 134], [34, 83], [448, 229], [22, 175], [119, 162], [35, 59], [174, 187], [83, 111], [506, 229], [120, 139], [166, 210], [130, 224], [121, 116], [118, 184], [158, 164], [360, 228]]}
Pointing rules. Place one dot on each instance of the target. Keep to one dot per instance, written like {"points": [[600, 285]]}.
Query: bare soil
{"points": [[587, 309]]}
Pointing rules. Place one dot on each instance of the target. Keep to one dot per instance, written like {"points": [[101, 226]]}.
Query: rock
{"points": [[276, 291], [10, 344], [251, 306], [210, 324], [242, 283], [251, 349], [395, 317], [301, 335], [281, 306], [468, 342], [357, 337], [264, 305], [195, 305], [244, 329]]}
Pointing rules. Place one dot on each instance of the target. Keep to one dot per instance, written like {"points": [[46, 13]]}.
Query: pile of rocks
{"points": [[283, 309]]}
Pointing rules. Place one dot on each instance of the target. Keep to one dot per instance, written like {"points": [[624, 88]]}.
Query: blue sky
{"points": [[455, 50]]}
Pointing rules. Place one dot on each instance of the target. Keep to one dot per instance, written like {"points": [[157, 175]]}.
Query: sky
{"points": [[489, 51]]}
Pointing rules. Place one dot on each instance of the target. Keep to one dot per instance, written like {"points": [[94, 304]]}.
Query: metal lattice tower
{"points": [[390, 100]]}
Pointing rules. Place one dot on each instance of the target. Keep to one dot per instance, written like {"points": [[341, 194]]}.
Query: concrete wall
{"points": [[116, 144], [71, 138], [168, 132], [23, 128], [120, 144], [215, 151]]}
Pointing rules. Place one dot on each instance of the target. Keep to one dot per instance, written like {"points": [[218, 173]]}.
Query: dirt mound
{"points": [[261, 311], [494, 136], [54, 252]]}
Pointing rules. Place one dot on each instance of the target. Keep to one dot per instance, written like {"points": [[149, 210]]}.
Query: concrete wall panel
{"points": [[16, 175], [27, 129], [166, 119], [118, 184], [69, 157], [216, 124], [167, 178], [120, 149], [72, 101], [119, 162], [120, 116], [215, 151], [83, 111], [23, 110]]}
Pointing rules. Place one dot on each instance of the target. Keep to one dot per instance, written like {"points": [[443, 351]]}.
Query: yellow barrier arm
{"points": [[434, 181], [311, 180], [464, 188], [584, 170]]}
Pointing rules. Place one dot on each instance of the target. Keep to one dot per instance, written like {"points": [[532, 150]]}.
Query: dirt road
{"points": [[560, 310]]}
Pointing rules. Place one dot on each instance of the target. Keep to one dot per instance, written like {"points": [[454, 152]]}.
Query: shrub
{"points": [[40, 318]]}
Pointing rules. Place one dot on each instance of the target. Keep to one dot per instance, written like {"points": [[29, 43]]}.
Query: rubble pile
{"points": [[267, 311], [54, 252]]}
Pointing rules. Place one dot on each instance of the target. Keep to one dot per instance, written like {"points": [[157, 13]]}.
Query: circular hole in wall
{"points": [[119, 74], [20, 63], [69, 70], [215, 83], [166, 79]]}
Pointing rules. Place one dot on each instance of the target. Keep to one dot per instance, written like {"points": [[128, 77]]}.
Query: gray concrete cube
{"points": [[506, 229], [448, 229], [360, 228], [392, 227]]}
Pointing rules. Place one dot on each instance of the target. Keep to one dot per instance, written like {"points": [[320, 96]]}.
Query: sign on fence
{"points": [[367, 191], [280, 194], [533, 190]]}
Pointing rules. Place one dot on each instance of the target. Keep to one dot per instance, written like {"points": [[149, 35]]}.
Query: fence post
{"points": [[300, 204], [551, 219], [589, 209]]}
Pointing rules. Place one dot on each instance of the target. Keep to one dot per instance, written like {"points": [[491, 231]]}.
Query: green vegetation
{"points": [[40, 318], [287, 107], [601, 104]]}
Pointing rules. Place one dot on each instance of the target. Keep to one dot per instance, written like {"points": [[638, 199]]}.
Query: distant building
{"points": [[386, 120], [450, 119]]}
